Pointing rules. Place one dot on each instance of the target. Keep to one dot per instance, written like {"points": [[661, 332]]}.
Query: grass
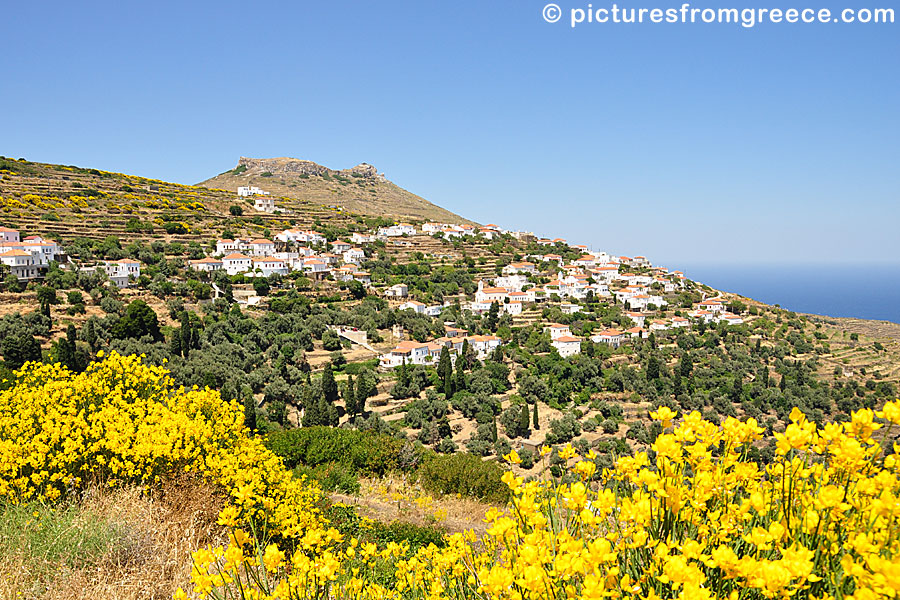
{"points": [[123, 544]]}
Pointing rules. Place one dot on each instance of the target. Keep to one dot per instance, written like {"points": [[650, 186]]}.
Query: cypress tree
{"points": [[534, 417], [445, 372], [363, 391], [523, 420], [350, 396], [250, 413], [329, 386], [460, 383]]}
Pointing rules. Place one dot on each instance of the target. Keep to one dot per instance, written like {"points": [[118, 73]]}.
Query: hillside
{"points": [[360, 189]]}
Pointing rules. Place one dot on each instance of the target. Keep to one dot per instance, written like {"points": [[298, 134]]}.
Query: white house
{"points": [[612, 337], [8, 235], [513, 308], [252, 190], [298, 236], [400, 290], [362, 238], [397, 230], [354, 255], [21, 264], [264, 204], [340, 246], [567, 345], [557, 330], [413, 305], [261, 247], [314, 265], [519, 267], [122, 272], [269, 266], [513, 283], [226, 246], [410, 353], [206, 264], [490, 294], [237, 263]]}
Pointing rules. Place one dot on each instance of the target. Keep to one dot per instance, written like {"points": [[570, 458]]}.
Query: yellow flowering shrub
{"points": [[693, 519], [124, 421]]}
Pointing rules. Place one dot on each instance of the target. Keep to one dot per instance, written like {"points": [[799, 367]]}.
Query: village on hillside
{"points": [[544, 278]]}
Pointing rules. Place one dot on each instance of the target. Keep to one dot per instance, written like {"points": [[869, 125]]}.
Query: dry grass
{"points": [[394, 498], [148, 554]]}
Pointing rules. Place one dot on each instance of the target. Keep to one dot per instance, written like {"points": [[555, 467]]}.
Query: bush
{"points": [[362, 452], [236, 210], [464, 474]]}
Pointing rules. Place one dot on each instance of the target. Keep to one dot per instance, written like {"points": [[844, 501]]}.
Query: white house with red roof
{"points": [[489, 294], [267, 266], [611, 337], [8, 235], [21, 264], [207, 264], [557, 330], [236, 262], [567, 345]]}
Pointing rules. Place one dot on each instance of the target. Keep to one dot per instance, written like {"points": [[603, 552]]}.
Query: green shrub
{"points": [[464, 474], [331, 477], [363, 453]]}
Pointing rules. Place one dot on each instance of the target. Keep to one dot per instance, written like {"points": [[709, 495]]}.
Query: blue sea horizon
{"points": [[836, 290]]}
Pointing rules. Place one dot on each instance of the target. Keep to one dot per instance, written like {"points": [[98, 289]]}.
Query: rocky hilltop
{"points": [[360, 189]]}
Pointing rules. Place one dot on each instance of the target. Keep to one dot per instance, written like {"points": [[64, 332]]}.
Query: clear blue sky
{"points": [[685, 143]]}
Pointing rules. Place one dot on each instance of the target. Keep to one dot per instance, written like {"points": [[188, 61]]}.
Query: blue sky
{"points": [[685, 143]]}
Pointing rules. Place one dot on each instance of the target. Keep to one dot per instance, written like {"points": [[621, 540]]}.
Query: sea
{"points": [[865, 291]]}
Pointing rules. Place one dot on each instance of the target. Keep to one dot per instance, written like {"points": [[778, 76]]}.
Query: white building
{"points": [[206, 264], [354, 255], [490, 294], [247, 191], [237, 263], [612, 337], [122, 272], [557, 330], [397, 230], [266, 266], [21, 264], [8, 235], [567, 345], [264, 204], [400, 290], [413, 305]]}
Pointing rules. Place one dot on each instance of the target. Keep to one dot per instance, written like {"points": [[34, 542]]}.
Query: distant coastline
{"points": [[835, 290]]}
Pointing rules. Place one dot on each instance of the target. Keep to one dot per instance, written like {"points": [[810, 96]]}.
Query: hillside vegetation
{"points": [[360, 189]]}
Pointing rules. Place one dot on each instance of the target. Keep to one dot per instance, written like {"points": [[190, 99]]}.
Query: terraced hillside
{"points": [[360, 189], [70, 202]]}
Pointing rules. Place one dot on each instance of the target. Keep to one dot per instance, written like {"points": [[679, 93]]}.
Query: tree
{"points": [[250, 413], [350, 396], [493, 317], [534, 418], [652, 368], [46, 295], [329, 386], [236, 210], [18, 348], [445, 372], [331, 340], [357, 289], [139, 320], [523, 420], [261, 286]]}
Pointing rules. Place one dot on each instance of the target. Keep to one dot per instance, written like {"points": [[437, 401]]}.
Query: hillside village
{"points": [[444, 332], [633, 283]]}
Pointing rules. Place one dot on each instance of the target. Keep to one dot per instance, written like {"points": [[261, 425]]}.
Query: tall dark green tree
{"points": [[534, 418], [445, 372], [523, 420], [350, 396], [329, 386], [250, 412]]}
